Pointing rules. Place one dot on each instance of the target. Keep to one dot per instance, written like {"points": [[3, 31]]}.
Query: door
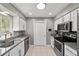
{"points": [[40, 33]]}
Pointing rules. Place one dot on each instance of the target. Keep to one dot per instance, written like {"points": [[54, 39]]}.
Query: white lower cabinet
{"points": [[22, 48], [69, 51], [52, 41], [16, 51]]}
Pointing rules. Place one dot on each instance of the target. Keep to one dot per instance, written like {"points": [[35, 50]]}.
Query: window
{"points": [[6, 23]]}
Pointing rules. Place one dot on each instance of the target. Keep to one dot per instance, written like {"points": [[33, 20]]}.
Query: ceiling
{"points": [[30, 9]]}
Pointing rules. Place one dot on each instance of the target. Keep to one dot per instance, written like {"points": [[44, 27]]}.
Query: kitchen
{"points": [[26, 29]]}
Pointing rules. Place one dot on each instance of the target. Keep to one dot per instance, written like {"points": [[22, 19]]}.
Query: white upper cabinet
{"points": [[74, 20], [22, 24], [55, 25], [60, 20], [66, 18], [16, 23]]}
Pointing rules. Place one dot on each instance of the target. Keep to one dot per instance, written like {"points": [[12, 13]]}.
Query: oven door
{"points": [[58, 48]]}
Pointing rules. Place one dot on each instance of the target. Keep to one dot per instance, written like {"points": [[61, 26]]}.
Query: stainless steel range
{"points": [[58, 44]]}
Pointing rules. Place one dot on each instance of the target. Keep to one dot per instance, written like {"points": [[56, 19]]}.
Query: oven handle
{"points": [[58, 41]]}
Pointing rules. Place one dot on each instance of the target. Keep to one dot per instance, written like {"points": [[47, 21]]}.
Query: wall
{"points": [[29, 26], [49, 26]]}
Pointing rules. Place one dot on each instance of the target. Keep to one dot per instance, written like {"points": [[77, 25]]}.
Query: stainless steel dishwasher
{"points": [[26, 45]]}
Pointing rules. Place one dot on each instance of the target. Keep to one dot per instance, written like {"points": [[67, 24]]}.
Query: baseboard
{"points": [[40, 45], [31, 45]]}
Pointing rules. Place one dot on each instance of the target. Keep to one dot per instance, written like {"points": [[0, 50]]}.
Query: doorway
{"points": [[40, 32]]}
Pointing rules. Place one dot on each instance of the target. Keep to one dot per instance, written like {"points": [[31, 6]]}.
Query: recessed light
{"points": [[50, 13], [30, 13]]}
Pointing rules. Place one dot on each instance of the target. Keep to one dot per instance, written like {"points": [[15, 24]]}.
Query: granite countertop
{"points": [[17, 41]]}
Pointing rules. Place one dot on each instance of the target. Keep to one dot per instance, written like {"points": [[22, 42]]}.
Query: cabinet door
{"points": [[60, 20], [15, 51], [24, 26], [69, 51], [18, 53], [16, 23], [21, 24], [74, 20], [66, 18], [22, 48], [55, 25], [52, 41]]}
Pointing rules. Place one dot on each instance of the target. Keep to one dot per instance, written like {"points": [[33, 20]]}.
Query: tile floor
{"points": [[40, 51]]}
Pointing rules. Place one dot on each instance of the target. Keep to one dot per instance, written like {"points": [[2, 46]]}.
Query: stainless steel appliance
{"points": [[26, 45], [58, 43], [70, 36], [59, 46], [6, 43], [67, 26], [6, 40]]}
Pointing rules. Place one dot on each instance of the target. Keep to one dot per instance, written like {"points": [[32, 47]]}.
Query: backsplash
{"points": [[18, 33]]}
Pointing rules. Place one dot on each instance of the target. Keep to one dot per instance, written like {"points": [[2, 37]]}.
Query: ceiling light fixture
{"points": [[50, 13], [41, 6]]}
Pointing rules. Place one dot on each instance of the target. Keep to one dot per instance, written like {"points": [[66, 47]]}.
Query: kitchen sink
{"points": [[6, 43]]}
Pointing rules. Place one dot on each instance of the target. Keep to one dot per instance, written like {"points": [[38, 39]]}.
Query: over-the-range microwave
{"points": [[67, 26]]}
